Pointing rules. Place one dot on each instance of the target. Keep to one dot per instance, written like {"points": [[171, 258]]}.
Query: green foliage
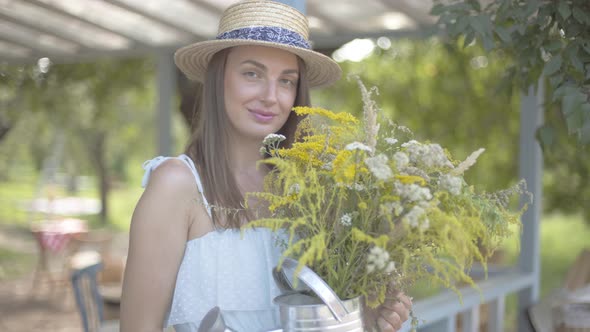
{"points": [[450, 94], [456, 97], [85, 116], [566, 181], [79, 100], [547, 38]]}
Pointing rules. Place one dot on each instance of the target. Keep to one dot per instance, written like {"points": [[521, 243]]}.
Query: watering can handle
{"points": [[314, 282]]}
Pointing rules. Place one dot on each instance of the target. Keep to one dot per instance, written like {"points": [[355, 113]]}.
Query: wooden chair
{"points": [[542, 314], [88, 299]]}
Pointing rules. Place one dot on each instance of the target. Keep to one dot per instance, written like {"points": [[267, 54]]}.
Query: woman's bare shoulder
{"points": [[173, 176], [171, 198]]}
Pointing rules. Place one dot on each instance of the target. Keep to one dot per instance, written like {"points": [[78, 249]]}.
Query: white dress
{"points": [[228, 269]]}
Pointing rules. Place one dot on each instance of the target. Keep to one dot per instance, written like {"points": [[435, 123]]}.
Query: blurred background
{"points": [[74, 133]]}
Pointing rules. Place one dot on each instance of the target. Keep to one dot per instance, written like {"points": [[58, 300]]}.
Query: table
{"points": [[53, 237]]}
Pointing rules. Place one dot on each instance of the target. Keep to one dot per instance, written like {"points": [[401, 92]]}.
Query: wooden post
{"points": [[531, 169], [166, 87]]}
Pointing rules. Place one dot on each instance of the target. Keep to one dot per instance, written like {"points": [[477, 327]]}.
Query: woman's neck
{"points": [[245, 156]]}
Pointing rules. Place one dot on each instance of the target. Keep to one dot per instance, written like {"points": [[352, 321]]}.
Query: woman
{"points": [[186, 253]]}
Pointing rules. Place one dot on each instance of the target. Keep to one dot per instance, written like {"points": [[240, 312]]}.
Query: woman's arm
{"points": [[157, 240]]}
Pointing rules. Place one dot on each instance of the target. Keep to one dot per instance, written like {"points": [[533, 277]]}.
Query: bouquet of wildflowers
{"points": [[366, 205]]}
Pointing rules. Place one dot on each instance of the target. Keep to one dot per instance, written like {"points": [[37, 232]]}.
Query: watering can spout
{"points": [[213, 322]]}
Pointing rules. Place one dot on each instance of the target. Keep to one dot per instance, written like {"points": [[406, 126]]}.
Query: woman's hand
{"points": [[393, 312], [389, 316]]}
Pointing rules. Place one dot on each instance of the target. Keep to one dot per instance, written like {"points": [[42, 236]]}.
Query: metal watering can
{"points": [[311, 306]]}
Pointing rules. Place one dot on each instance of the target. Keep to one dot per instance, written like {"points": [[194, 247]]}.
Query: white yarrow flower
{"points": [[413, 192], [425, 224], [413, 217], [410, 143], [357, 187], [378, 166], [428, 155], [294, 189], [358, 146], [394, 208], [346, 220], [390, 267], [327, 166], [390, 140], [401, 160], [378, 259], [452, 184], [273, 139]]}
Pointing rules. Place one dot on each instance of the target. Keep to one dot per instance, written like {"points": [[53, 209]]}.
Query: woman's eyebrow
{"points": [[263, 67], [255, 63], [291, 71]]}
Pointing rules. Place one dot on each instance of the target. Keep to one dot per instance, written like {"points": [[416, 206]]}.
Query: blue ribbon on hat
{"points": [[268, 34]]}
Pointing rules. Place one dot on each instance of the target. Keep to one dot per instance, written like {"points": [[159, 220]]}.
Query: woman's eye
{"points": [[287, 82], [251, 74]]}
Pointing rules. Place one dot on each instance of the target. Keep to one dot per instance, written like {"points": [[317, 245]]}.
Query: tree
{"points": [[92, 104], [547, 38], [16, 82]]}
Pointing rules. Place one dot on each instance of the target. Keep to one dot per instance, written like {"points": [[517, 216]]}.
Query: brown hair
{"points": [[208, 145]]}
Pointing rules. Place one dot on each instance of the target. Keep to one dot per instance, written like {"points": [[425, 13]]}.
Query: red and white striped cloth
{"points": [[54, 235]]}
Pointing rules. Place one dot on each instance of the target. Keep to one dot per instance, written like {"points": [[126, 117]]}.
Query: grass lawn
{"points": [[15, 195], [14, 264], [562, 238]]}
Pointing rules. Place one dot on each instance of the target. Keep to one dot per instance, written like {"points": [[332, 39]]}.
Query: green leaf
{"points": [[503, 33], [564, 10], [584, 134], [554, 45], [580, 123], [575, 61], [481, 24], [460, 6], [546, 136], [532, 7], [561, 91], [460, 25], [553, 65], [572, 101], [556, 80], [469, 37], [475, 5], [437, 9], [573, 120], [488, 43], [580, 15]]}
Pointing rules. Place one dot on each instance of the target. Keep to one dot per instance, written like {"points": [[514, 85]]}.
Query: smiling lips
{"points": [[262, 116]]}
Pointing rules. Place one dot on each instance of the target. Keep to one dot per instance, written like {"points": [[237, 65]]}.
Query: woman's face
{"points": [[260, 88]]}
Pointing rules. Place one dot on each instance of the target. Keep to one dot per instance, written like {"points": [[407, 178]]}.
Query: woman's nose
{"points": [[270, 92]]}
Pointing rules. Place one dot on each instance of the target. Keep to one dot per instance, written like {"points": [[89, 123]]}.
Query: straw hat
{"points": [[264, 23]]}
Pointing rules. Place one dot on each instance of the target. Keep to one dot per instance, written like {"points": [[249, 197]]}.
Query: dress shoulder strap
{"points": [[150, 165]]}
